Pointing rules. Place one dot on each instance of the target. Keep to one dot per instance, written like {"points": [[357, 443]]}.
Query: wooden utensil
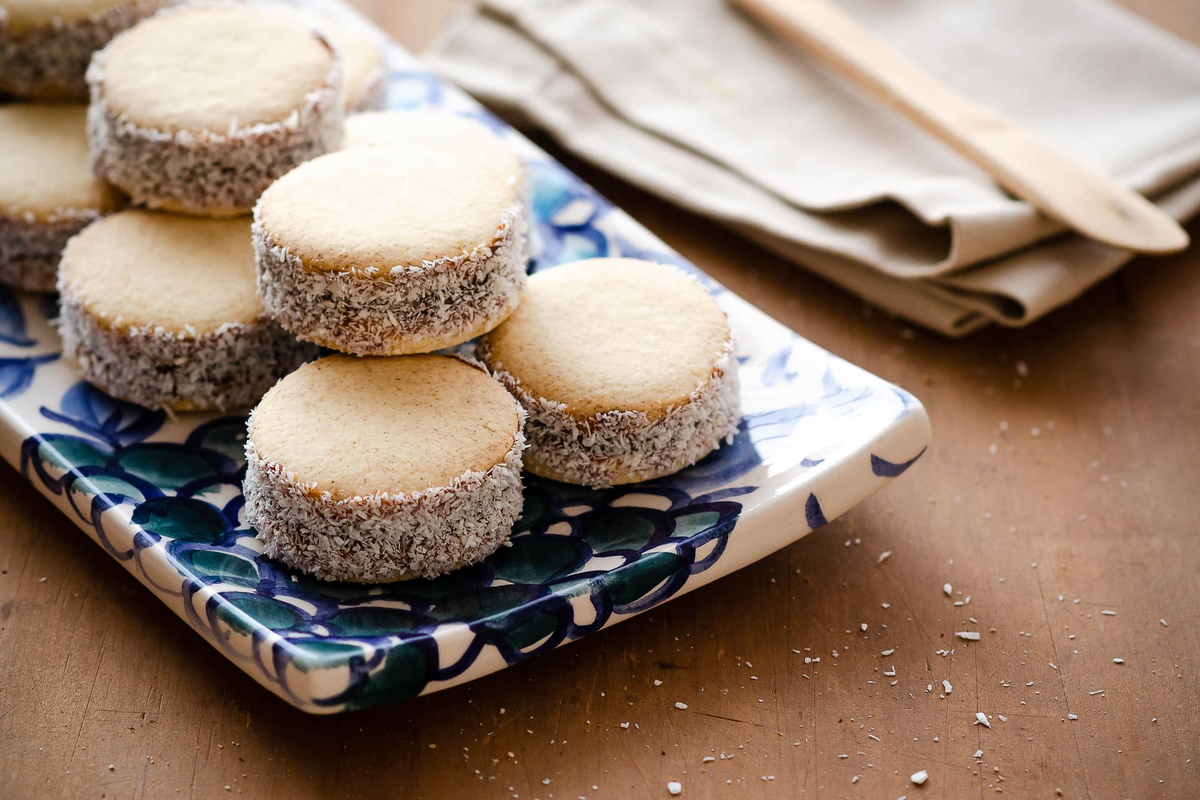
{"points": [[1020, 160]]}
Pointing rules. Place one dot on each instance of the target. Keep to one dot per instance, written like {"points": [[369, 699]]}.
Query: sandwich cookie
{"points": [[364, 68], [378, 469], [199, 108], [390, 250], [431, 127], [47, 191], [45, 46], [625, 367], [161, 310]]}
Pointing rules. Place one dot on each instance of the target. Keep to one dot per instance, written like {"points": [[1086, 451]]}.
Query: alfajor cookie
{"points": [[364, 68], [47, 192], [199, 108], [378, 469], [436, 128], [161, 310], [625, 367], [390, 250], [45, 47]]}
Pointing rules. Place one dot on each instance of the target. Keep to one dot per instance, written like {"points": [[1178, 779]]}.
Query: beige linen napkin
{"points": [[693, 101]]}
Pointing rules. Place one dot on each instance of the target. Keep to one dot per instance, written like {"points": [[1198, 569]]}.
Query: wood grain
{"points": [[106, 694], [1030, 166]]}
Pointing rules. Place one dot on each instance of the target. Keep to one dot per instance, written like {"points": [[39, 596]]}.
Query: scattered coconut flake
{"points": [[681, 706], [884, 556], [978, 754], [1072, 716], [1002, 718], [674, 787], [1118, 661], [1164, 622], [970, 636], [889, 651], [1098, 691], [947, 687], [1053, 666], [981, 719], [1108, 612], [947, 589], [919, 777], [864, 627]]}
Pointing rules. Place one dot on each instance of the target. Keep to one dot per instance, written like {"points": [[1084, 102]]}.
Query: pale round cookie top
{"points": [[215, 68], [44, 169], [384, 207], [360, 426], [611, 334], [362, 60], [142, 268], [23, 15], [453, 133]]}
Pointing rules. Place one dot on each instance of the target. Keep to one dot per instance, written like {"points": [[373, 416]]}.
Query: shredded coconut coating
{"points": [[411, 309], [226, 370], [616, 447], [202, 172], [30, 248], [383, 537], [49, 63]]}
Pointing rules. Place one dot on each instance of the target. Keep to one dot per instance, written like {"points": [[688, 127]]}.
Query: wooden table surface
{"points": [[1062, 486]]}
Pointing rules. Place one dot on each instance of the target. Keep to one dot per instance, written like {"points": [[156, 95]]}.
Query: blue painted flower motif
{"points": [[12, 320]]}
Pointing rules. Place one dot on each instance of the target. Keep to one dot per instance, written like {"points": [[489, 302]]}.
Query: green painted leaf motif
{"points": [[66, 452], [404, 674], [227, 437], [531, 512], [691, 524], [609, 531], [478, 604], [574, 586], [432, 589], [264, 610], [302, 584], [372, 621], [226, 567], [523, 629], [634, 581], [167, 468], [536, 559], [182, 518], [323, 654], [107, 484]]}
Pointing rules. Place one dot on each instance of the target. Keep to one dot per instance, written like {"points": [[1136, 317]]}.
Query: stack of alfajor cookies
{"points": [[385, 237]]}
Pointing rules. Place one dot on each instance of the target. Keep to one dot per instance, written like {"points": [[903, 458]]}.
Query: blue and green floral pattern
{"points": [[163, 495]]}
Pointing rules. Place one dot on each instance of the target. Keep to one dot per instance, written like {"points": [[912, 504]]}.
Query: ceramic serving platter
{"points": [[162, 495]]}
